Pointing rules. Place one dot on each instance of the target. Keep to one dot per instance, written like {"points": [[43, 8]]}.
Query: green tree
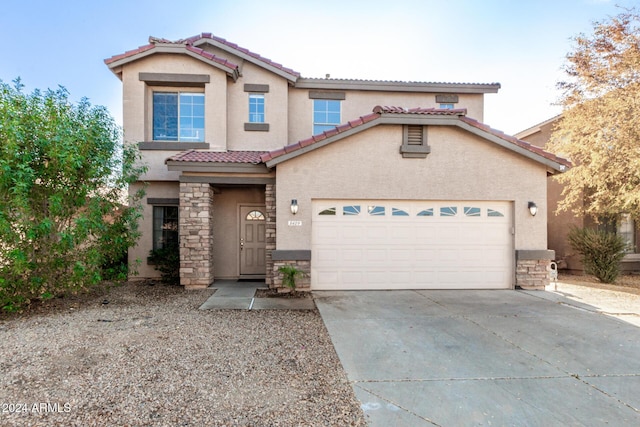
{"points": [[600, 126], [64, 216]]}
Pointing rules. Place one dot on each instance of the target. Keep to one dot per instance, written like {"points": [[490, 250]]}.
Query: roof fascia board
{"points": [[220, 167], [246, 57], [510, 146], [390, 86]]}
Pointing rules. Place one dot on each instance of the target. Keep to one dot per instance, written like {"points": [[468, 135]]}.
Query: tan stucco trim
{"points": [[217, 167]]}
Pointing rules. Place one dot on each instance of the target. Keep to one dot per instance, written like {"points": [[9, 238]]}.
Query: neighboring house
{"points": [[415, 194], [559, 223]]}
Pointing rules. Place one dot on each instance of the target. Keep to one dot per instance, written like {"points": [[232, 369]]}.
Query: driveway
{"points": [[424, 358]]}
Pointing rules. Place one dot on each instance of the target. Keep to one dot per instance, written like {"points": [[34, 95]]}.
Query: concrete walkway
{"points": [[445, 358], [234, 295]]}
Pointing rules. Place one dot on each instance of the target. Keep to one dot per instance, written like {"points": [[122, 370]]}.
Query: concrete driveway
{"points": [[461, 358]]}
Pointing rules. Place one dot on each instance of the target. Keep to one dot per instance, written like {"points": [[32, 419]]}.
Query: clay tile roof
{"points": [[520, 143], [252, 157], [189, 42], [422, 111], [194, 39], [379, 110]]}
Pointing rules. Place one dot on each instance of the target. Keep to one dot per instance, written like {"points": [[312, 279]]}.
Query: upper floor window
{"points": [[256, 108], [326, 114], [178, 116], [446, 106]]}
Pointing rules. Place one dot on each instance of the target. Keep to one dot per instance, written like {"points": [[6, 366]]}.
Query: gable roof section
{"points": [[416, 116], [190, 47]]}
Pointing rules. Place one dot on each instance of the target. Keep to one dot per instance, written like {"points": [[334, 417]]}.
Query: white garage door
{"points": [[360, 244]]}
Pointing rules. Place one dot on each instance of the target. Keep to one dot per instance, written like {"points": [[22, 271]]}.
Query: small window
{"points": [[351, 210], [165, 226], [326, 115], [426, 212], [399, 212], [329, 211], [494, 213], [178, 116], [627, 230], [471, 211], [255, 216], [446, 106], [449, 211], [256, 108], [376, 210]]}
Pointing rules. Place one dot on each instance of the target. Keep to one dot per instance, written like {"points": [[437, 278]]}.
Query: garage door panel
{"points": [[412, 245]]}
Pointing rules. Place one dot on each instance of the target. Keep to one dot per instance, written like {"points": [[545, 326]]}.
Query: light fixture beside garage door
{"points": [[533, 208], [294, 206]]}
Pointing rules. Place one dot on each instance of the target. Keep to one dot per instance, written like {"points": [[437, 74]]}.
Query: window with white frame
{"points": [[256, 108], [165, 226], [178, 116], [446, 106], [326, 114]]}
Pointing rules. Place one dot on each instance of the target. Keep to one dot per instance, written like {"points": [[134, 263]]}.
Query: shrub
{"points": [[167, 261], [601, 252], [289, 275], [64, 219]]}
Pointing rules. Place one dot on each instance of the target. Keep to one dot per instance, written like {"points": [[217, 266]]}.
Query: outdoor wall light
{"points": [[533, 209], [294, 206]]}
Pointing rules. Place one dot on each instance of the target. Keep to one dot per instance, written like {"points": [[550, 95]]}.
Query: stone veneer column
{"points": [[196, 235], [270, 231], [533, 268]]}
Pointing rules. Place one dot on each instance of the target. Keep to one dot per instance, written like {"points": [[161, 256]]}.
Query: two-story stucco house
{"points": [[362, 184]]}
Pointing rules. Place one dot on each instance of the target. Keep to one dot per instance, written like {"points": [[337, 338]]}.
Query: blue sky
{"points": [[518, 43]]}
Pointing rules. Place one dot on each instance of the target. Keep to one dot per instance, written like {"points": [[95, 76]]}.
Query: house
{"points": [[362, 184], [559, 223]]}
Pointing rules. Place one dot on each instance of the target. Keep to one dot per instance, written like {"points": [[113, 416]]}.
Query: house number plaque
{"points": [[295, 223]]}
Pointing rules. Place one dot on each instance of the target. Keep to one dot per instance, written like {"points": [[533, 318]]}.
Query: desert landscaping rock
{"points": [[150, 357]]}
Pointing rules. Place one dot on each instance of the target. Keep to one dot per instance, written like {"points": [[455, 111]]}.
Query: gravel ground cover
{"points": [[142, 355]]}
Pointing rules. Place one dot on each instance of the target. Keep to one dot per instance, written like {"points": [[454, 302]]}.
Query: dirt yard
{"points": [[141, 355]]}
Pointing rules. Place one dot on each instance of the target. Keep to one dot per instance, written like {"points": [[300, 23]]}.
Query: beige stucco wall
{"points": [[145, 243], [360, 103], [275, 111], [137, 105], [368, 165]]}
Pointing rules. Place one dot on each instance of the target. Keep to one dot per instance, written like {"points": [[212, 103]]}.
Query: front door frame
{"points": [[243, 209]]}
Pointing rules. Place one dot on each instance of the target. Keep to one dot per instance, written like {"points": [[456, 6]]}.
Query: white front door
{"points": [[382, 244]]}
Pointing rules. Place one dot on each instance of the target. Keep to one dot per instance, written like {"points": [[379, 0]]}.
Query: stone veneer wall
{"points": [[196, 235], [270, 231], [533, 269], [302, 283]]}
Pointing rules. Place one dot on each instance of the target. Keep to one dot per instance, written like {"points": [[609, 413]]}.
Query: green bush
{"points": [[64, 219], [601, 252], [167, 261], [290, 274]]}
